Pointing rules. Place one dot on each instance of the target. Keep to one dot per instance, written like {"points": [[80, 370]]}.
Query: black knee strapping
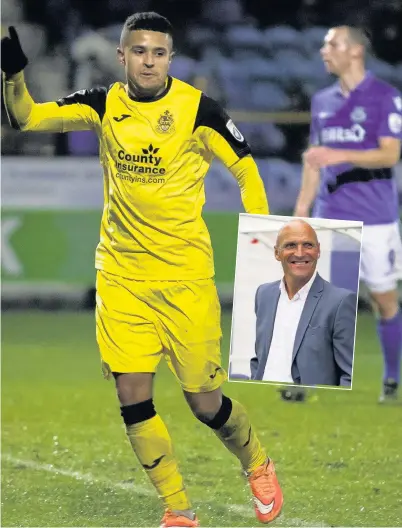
{"points": [[222, 416], [138, 412]]}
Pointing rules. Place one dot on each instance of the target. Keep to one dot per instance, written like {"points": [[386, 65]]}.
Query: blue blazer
{"points": [[324, 342]]}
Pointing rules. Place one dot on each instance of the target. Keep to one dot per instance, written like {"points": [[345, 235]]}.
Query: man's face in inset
{"points": [[298, 250]]}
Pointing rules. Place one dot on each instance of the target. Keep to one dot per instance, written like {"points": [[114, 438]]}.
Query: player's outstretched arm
{"points": [[252, 188], [222, 139], [23, 112], [310, 182]]}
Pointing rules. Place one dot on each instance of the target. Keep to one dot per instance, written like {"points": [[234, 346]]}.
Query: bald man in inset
{"points": [[305, 326]]}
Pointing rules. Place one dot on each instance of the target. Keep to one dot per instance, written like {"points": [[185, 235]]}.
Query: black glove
{"points": [[13, 59]]}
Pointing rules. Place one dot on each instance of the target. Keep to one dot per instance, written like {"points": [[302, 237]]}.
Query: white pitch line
{"points": [[240, 509], [77, 475], [87, 477]]}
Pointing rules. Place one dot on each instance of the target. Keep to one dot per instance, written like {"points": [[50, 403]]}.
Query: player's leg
{"points": [[151, 442], [380, 261], [131, 349], [195, 358], [389, 328], [230, 422]]}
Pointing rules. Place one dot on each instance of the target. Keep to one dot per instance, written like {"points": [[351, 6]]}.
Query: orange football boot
{"points": [[268, 498], [173, 520]]}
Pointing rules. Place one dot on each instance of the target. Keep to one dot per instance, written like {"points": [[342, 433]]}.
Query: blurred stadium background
{"points": [[260, 59]]}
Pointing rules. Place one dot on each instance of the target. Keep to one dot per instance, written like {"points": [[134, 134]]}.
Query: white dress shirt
{"points": [[288, 313]]}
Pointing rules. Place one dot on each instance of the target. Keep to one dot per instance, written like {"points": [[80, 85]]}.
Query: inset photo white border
{"points": [[304, 337]]}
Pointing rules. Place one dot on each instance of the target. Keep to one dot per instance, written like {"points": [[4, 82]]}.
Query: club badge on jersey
{"points": [[358, 115], [166, 123]]}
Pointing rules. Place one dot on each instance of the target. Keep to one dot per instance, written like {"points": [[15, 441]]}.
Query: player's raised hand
{"points": [[13, 59], [318, 157]]}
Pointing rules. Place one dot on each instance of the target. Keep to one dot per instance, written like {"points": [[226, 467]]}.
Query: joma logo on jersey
{"points": [[148, 157], [354, 134]]}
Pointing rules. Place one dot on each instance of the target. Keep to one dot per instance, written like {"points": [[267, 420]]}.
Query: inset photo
{"points": [[291, 322]]}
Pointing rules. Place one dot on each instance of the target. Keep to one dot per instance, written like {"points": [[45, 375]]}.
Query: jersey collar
{"points": [[360, 87], [153, 99]]}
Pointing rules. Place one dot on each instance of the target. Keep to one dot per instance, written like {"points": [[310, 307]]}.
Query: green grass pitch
{"points": [[66, 460]]}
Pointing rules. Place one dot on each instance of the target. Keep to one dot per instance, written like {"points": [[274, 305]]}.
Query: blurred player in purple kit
{"points": [[355, 140]]}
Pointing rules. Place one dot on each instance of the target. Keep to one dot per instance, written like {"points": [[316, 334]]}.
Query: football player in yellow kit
{"points": [[156, 294]]}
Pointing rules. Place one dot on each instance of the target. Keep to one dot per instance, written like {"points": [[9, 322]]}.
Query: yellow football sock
{"points": [[151, 443], [239, 437]]}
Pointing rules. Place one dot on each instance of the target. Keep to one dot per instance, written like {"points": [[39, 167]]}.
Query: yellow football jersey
{"points": [[155, 154]]}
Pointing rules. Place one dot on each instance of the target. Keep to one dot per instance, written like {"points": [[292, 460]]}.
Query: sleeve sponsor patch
{"points": [[234, 131], [398, 103], [395, 123]]}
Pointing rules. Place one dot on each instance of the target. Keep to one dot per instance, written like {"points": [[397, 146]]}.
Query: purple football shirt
{"points": [[371, 111]]}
